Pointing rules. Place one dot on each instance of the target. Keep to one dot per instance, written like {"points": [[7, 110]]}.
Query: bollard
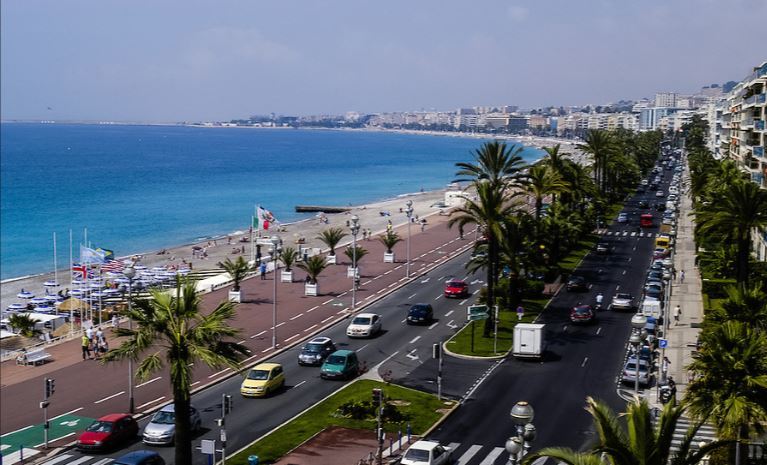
{"points": [[21, 453], [408, 433], [253, 460], [400, 438], [391, 446]]}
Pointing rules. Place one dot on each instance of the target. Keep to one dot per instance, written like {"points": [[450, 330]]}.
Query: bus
{"points": [[646, 220]]}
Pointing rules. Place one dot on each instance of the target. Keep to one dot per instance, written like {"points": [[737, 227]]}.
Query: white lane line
{"points": [[313, 309], [463, 302], [360, 349], [56, 439], [584, 362], [22, 429], [342, 294], [196, 382], [599, 330], [292, 337], [68, 413], [490, 459], [624, 272], [327, 319], [403, 321], [438, 297], [280, 324], [297, 316], [434, 324], [266, 350], [449, 313], [241, 342], [414, 340], [411, 296], [250, 358], [148, 382], [299, 384], [152, 402], [109, 397], [475, 292], [259, 334], [629, 259], [57, 459], [310, 328], [218, 373], [469, 454], [388, 272], [81, 459]]}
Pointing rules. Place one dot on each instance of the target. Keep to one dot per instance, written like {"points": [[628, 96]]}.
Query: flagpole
{"points": [[55, 264], [71, 285]]}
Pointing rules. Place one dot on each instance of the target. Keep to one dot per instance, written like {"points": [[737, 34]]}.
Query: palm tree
{"points": [[747, 304], [389, 240], [355, 254], [541, 181], [313, 266], [638, 442], [331, 237], [237, 270], [24, 324], [288, 257], [730, 383], [172, 328], [599, 144], [741, 209], [495, 162]]}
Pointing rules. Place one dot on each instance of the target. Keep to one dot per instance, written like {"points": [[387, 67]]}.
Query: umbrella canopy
{"points": [[73, 304], [51, 283], [25, 295]]}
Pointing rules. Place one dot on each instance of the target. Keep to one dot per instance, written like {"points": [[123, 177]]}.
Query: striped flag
{"points": [[80, 271], [113, 266], [263, 219]]}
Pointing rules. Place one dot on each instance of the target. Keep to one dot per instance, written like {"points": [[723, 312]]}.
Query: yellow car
{"points": [[262, 380]]}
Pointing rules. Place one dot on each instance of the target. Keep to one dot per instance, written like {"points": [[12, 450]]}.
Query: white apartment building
{"points": [[665, 99]]}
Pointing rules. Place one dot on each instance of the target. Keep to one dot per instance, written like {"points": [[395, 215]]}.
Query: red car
{"points": [[582, 314], [456, 288], [108, 431]]}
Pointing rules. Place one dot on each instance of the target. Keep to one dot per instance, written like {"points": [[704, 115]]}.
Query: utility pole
{"points": [[50, 388], [378, 400], [437, 353], [226, 407]]}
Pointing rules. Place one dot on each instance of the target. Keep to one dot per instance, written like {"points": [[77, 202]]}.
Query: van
{"points": [[651, 308], [663, 242], [341, 364]]}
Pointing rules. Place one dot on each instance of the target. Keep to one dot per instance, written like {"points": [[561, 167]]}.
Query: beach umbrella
{"points": [[16, 306], [38, 301], [25, 295], [78, 292], [44, 309], [51, 283], [73, 304]]}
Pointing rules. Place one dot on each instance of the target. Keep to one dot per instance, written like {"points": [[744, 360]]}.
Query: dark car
{"points": [[582, 314], [653, 291], [654, 275], [644, 204], [456, 288], [341, 364], [577, 283], [140, 457], [315, 351], [420, 314], [108, 432]]}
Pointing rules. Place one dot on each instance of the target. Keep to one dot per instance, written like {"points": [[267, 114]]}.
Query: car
{"points": [[654, 275], [577, 283], [660, 194], [641, 189], [671, 198], [669, 221], [364, 325], [420, 314], [660, 252], [622, 301], [140, 457], [629, 375], [623, 218], [653, 291], [161, 429], [316, 351], [263, 379], [108, 432], [341, 364], [456, 288], [644, 204], [582, 314], [667, 262], [427, 453], [660, 206], [644, 182], [603, 248]]}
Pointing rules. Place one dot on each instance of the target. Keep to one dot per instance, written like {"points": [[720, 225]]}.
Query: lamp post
{"points": [[355, 227], [130, 273], [638, 323], [275, 253], [518, 446], [409, 213]]}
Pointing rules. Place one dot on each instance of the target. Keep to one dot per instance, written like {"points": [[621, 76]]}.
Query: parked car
{"points": [[427, 453], [316, 350], [341, 364], [108, 432], [629, 375], [420, 314], [161, 429], [577, 283], [364, 325], [603, 248], [660, 252], [653, 291], [262, 380], [582, 314], [140, 457], [660, 194], [456, 288], [644, 204], [623, 218], [622, 301], [653, 275]]}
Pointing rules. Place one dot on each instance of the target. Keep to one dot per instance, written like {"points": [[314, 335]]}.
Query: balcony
{"points": [[759, 124], [758, 151], [754, 99]]}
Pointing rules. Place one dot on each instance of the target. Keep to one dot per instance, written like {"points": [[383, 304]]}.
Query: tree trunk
{"points": [[183, 440], [744, 251], [492, 255]]}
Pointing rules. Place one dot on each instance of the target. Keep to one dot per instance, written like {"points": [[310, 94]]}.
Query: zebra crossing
{"points": [[626, 233], [705, 434], [477, 454], [69, 459]]}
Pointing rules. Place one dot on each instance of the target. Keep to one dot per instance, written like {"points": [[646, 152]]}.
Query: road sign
{"points": [[479, 316], [477, 312], [663, 343]]}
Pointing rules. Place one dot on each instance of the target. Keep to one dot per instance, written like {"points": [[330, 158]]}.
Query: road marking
{"points": [[310, 328], [438, 297], [451, 324], [313, 309], [469, 454], [624, 272], [291, 337], [403, 321], [414, 340], [59, 459], [424, 281], [449, 313], [109, 397], [80, 460], [297, 316], [617, 288], [102, 462], [241, 342], [259, 334], [299, 384], [388, 272], [360, 349], [152, 402], [411, 296], [584, 362], [434, 324], [411, 355], [68, 413], [343, 294], [475, 292], [12, 432], [279, 324], [629, 259], [266, 350], [599, 330], [327, 319], [490, 459], [463, 302], [147, 382], [56, 439], [196, 382], [218, 373]]}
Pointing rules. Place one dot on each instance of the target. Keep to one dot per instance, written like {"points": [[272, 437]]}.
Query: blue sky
{"points": [[192, 60]]}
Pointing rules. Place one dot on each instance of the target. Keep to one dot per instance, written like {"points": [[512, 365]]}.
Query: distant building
{"points": [[649, 118], [665, 99]]}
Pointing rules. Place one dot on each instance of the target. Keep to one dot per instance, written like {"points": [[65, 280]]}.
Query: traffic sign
{"points": [[663, 343], [477, 312], [479, 316]]}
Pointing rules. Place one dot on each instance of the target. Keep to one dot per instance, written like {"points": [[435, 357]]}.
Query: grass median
{"points": [[421, 409]]}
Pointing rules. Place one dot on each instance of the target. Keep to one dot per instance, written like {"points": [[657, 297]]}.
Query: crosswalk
{"points": [[627, 233], [68, 459], [705, 434], [477, 454]]}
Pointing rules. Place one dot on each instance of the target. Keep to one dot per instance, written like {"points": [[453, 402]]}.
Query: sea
{"points": [[140, 188]]}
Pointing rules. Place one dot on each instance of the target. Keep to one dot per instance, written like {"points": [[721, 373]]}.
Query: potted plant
{"points": [[237, 270], [288, 258], [389, 240], [313, 267], [354, 252], [331, 237]]}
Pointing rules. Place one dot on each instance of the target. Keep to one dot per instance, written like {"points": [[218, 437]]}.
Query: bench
{"points": [[33, 357]]}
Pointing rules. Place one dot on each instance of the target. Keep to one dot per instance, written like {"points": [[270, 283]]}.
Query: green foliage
{"points": [[314, 266], [331, 237], [716, 288], [24, 324], [366, 410], [357, 253], [237, 270], [288, 257], [389, 240]]}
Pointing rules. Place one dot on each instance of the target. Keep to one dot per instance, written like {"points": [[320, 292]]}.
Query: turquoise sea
{"points": [[142, 188]]}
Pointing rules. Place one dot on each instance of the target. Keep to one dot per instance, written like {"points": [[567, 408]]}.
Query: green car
{"points": [[341, 364]]}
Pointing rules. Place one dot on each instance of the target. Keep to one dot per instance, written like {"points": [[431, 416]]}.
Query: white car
{"points": [[660, 194], [364, 325], [426, 453]]}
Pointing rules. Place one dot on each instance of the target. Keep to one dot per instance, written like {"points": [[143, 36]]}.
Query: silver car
{"points": [[161, 429], [629, 374], [622, 301]]}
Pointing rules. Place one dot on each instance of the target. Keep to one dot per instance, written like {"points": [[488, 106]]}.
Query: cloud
{"points": [[518, 13]]}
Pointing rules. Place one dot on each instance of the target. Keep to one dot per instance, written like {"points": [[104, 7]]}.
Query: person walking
{"points": [[677, 314], [262, 269], [89, 333], [681, 277], [86, 346], [520, 312]]}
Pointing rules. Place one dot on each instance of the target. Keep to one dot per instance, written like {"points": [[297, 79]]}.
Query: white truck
{"points": [[528, 340], [651, 307]]}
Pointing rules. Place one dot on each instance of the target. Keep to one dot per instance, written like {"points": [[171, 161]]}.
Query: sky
{"points": [[190, 60]]}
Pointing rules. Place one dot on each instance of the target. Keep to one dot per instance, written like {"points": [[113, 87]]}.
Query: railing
{"points": [[758, 98]]}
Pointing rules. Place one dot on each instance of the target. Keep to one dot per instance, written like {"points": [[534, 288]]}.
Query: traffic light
{"points": [[50, 387], [228, 404], [377, 396]]}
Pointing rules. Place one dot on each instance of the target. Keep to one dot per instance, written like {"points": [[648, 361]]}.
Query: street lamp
{"points": [[638, 322], [275, 253], [355, 227], [409, 213], [130, 273], [518, 446]]}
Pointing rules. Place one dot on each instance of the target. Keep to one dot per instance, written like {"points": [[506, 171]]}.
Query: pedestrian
{"points": [[664, 366], [681, 276], [677, 314], [99, 334], [423, 224], [262, 269], [460, 231], [673, 272], [86, 345], [89, 333], [115, 320], [364, 234], [520, 312], [103, 346]]}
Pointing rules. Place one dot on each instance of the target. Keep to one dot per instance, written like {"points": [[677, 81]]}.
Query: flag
{"points": [[113, 266], [263, 219], [108, 254], [89, 256], [80, 271]]}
